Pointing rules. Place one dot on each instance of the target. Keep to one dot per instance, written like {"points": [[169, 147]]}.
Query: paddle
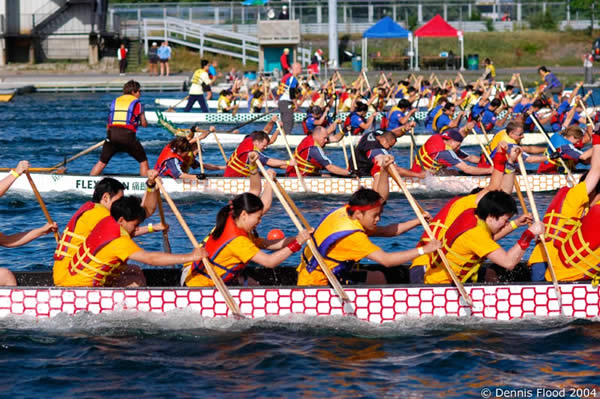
{"points": [[590, 122], [521, 85], [79, 154], [220, 147], [547, 137], [165, 233], [415, 206], [30, 169], [343, 141], [483, 149], [413, 146], [352, 152], [200, 157], [172, 108], [289, 150], [221, 287], [41, 202], [536, 217], [278, 190]]}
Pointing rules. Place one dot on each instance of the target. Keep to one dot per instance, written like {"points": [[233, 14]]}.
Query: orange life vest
{"points": [[68, 234], [237, 165], [425, 158], [161, 163], [105, 231]]}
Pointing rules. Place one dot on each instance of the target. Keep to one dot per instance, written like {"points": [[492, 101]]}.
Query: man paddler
{"points": [[126, 114], [568, 206], [567, 144], [444, 118], [311, 158], [176, 159], [101, 259], [289, 96], [106, 192], [399, 117], [443, 151], [7, 278]]}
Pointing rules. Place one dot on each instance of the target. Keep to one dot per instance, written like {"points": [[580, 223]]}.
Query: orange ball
{"points": [[275, 234]]}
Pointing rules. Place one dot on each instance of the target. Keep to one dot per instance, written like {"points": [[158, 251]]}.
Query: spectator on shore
{"points": [[153, 59], [284, 13], [588, 64], [122, 57], [164, 55], [284, 61], [213, 74]]}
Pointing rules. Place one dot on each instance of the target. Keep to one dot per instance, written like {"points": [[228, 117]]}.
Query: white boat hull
{"points": [[84, 185], [371, 304], [271, 104]]}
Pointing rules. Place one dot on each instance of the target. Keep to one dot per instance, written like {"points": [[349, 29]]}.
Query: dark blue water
{"points": [[183, 355]]}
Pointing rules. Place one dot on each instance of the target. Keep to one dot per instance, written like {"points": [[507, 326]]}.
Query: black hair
{"points": [[131, 87], [476, 190], [543, 68], [361, 107], [244, 202], [448, 106], [180, 145], [426, 83], [259, 135], [495, 102], [203, 63], [107, 185], [509, 87], [363, 196], [496, 203], [128, 208], [411, 90], [404, 103], [469, 87], [538, 104]]}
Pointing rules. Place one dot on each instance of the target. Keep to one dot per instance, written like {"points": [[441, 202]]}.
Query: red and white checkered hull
{"points": [[372, 304]]}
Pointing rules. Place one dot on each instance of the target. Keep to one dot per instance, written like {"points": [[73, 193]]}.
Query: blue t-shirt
{"points": [[164, 52], [430, 115], [394, 119], [551, 81], [442, 120]]}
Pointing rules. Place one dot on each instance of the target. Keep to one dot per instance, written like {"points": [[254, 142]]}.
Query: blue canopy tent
{"points": [[385, 28]]}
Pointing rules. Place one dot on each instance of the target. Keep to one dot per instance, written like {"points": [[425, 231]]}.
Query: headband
{"points": [[380, 202]]}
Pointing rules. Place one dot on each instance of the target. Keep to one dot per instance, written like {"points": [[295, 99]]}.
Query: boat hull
{"points": [[84, 185], [371, 304]]}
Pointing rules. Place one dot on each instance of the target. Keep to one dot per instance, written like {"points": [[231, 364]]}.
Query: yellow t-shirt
{"points": [[474, 244], [354, 247], [86, 223], [239, 250], [115, 252], [456, 208], [574, 205]]}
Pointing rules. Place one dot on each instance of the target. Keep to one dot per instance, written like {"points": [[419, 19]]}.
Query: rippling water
{"points": [[183, 355]]}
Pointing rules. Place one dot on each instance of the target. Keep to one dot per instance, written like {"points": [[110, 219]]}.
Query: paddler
{"points": [[443, 119], [233, 243], [316, 116], [569, 205], [399, 116], [7, 278], [311, 159], [126, 114], [224, 104], [373, 146], [455, 207], [101, 259], [469, 240], [567, 144], [290, 97], [176, 159], [342, 238], [106, 192], [356, 122], [552, 86], [442, 151]]}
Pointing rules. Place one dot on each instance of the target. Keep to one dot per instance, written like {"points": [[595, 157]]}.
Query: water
{"points": [[181, 354]]}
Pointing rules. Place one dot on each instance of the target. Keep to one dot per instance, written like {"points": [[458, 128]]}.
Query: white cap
{"points": [[154, 44], [284, 7]]}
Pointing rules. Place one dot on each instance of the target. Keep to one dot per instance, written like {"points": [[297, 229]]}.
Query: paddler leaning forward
{"points": [[470, 239], [101, 260], [7, 278], [342, 238], [238, 164], [501, 179], [571, 230], [233, 242], [106, 192]]}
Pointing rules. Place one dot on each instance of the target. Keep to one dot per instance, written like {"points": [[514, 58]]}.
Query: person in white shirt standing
{"points": [[588, 64], [122, 57], [200, 84]]}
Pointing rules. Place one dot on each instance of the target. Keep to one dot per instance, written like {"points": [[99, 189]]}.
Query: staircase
{"points": [[134, 56], [51, 14]]}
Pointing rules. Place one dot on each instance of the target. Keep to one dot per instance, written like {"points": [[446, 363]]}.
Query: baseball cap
{"points": [[453, 134]]}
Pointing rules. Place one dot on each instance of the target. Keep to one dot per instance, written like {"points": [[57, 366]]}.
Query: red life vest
{"points": [[357, 131], [385, 122], [581, 244], [215, 246], [105, 231], [237, 165], [67, 236], [425, 158], [305, 165], [122, 112], [161, 163], [553, 217], [438, 223]]}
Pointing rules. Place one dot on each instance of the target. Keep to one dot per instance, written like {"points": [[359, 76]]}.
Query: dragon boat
{"points": [[217, 185], [35, 297]]}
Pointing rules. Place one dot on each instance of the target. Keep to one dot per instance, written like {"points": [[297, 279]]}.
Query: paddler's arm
{"points": [[522, 220], [166, 259], [141, 230], [391, 259], [381, 180], [395, 229], [509, 259], [150, 199], [472, 170], [142, 117], [337, 170], [18, 239], [276, 258], [267, 193], [269, 127], [5, 183], [456, 121]]}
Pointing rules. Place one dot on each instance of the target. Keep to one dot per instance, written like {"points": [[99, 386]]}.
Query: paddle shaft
{"points": [[536, 217], [177, 104], [220, 147], [289, 150], [483, 149], [165, 233], [343, 141], [200, 161], [352, 152], [221, 287], [41, 202], [587, 116], [79, 154], [30, 169], [413, 203], [311, 244]]}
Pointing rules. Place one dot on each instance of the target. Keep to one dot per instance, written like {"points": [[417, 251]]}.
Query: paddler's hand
{"points": [[470, 126], [524, 220], [152, 176], [212, 129], [427, 216], [503, 146], [252, 157], [514, 153], [49, 228], [272, 174], [292, 162], [197, 254], [411, 124], [160, 227], [432, 246], [274, 118], [384, 160], [22, 166], [304, 235], [537, 228]]}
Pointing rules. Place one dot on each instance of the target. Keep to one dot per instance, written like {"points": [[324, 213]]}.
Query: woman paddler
{"points": [[176, 159], [342, 238]]}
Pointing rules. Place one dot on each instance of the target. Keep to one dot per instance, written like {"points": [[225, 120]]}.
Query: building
{"points": [[40, 30]]}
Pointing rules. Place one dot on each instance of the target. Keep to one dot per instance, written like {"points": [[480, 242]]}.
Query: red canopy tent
{"points": [[438, 27]]}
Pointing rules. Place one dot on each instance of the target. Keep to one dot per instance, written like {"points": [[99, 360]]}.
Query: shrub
{"points": [[489, 24], [543, 20]]}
